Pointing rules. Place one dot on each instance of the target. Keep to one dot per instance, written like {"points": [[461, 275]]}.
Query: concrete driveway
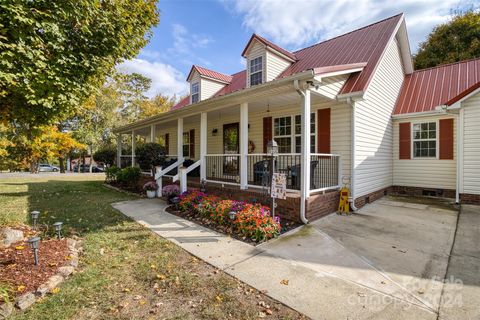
{"points": [[388, 261]]}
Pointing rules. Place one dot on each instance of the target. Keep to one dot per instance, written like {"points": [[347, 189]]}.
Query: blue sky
{"points": [[213, 33]]}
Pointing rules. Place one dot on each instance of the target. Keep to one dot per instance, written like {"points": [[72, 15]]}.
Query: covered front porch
{"points": [[226, 145]]}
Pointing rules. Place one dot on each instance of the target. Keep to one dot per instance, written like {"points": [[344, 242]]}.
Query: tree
{"points": [[149, 155], [54, 54], [156, 105], [105, 155], [28, 146], [456, 40]]}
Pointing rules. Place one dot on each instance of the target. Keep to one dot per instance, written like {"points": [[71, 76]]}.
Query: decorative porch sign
{"points": [[279, 186]]}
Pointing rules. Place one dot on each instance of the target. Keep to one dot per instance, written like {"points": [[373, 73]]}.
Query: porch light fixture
{"points": [[203, 186], [58, 229], [34, 215], [272, 148], [214, 132], [34, 244]]}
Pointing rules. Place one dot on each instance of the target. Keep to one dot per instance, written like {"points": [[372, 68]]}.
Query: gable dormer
{"points": [[265, 60], [205, 83]]}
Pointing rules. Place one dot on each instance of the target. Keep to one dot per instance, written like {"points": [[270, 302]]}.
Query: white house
{"points": [[350, 110]]}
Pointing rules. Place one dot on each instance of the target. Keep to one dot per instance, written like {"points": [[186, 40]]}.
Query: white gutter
{"points": [[352, 156], [460, 120], [303, 198]]}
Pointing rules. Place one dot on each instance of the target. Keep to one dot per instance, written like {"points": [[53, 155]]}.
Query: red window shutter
{"points": [[323, 131], [446, 139], [192, 143], [267, 132], [167, 143], [405, 140]]}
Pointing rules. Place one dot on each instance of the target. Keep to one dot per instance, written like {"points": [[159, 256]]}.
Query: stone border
{"points": [[109, 186], [26, 300]]}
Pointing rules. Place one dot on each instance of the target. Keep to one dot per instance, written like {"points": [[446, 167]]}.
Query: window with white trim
{"points": [[186, 144], [256, 71], [195, 92], [424, 140], [289, 137]]}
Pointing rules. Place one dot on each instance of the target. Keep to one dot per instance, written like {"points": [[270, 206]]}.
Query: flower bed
{"points": [[245, 221]]}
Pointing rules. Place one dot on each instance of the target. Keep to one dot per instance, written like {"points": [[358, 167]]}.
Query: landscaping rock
{"points": [[74, 260], [66, 271], [9, 236], [6, 310], [71, 244], [51, 283], [25, 301]]}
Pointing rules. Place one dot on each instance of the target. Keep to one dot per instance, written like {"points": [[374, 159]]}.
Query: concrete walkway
{"points": [[365, 266]]}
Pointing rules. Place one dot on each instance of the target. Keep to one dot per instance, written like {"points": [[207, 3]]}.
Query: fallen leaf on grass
{"points": [[55, 290], [126, 290], [21, 288], [142, 302], [19, 247], [219, 299], [284, 282], [153, 266], [161, 276]]}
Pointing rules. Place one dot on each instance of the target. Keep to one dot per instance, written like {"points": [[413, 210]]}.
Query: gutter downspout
{"points": [[303, 199], [460, 119], [352, 155]]}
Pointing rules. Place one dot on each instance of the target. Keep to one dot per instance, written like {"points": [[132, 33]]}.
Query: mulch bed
{"points": [[287, 225], [18, 270]]}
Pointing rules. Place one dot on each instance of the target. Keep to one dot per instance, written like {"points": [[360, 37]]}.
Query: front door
{"points": [[231, 146]]}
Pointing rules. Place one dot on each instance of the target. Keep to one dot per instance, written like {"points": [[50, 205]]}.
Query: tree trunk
{"points": [[90, 147], [61, 164], [83, 162]]}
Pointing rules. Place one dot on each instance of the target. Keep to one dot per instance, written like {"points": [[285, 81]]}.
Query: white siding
{"points": [[471, 145], [172, 133], [331, 86], [275, 65], [373, 125], [256, 50], [208, 88], [423, 173]]}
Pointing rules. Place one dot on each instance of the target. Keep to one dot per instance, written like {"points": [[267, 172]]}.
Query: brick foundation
{"points": [[422, 192], [467, 198], [319, 205], [371, 197]]}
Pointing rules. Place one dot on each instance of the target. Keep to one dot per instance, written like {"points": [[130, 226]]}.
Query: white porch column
{"points": [[180, 139], [305, 157], [152, 133], [119, 150], [203, 145], [244, 146], [181, 169], [134, 145]]}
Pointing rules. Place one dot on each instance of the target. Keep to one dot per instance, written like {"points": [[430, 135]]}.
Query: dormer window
{"points": [[256, 71], [195, 92]]}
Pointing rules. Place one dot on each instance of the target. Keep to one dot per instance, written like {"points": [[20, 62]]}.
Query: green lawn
{"points": [[126, 272]]}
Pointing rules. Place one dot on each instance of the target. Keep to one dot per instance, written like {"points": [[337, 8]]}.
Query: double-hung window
{"points": [[186, 144], [195, 92], [424, 140], [287, 132], [256, 71]]}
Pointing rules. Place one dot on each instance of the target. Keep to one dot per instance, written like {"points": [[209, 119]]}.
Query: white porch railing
{"points": [[325, 170], [161, 172]]}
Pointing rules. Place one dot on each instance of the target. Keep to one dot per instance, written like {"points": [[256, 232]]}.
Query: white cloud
{"points": [[296, 23], [165, 79], [185, 44]]}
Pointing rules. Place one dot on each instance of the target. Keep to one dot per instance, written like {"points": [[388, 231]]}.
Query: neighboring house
{"points": [[413, 132]]}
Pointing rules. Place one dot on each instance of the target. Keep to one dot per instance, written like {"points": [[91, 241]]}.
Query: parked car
{"points": [[86, 168], [45, 167]]}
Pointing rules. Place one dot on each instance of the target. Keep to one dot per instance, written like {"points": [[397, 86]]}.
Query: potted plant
{"points": [[151, 188], [170, 191]]}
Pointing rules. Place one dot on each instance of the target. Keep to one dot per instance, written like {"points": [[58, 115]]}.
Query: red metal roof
{"points": [[426, 89], [182, 103], [268, 44], [210, 73], [362, 46]]}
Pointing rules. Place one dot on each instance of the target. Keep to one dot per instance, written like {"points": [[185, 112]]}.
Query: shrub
{"points": [[111, 173], [149, 155], [254, 221], [190, 198], [150, 186], [171, 190], [105, 155], [129, 176]]}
